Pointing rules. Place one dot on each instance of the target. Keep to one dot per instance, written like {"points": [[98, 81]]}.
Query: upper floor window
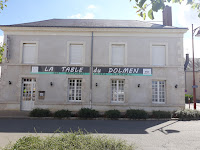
{"points": [[29, 53], [118, 54], [158, 55], [76, 54]]}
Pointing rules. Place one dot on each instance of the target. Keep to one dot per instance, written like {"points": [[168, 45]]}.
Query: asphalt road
{"points": [[147, 135]]}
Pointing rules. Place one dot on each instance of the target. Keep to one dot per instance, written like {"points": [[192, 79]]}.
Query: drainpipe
{"points": [[91, 71], [185, 67]]}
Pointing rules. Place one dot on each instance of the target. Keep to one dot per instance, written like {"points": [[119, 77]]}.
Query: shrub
{"points": [[187, 96], [72, 140], [88, 113], [113, 114], [40, 113], [136, 114], [187, 114], [62, 114], [161, 114]]}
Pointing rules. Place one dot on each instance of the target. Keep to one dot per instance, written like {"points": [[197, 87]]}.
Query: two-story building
{"points": [[103, 64]]}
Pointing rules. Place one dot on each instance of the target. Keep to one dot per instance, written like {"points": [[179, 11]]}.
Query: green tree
{"points": [[3, 4], [150, 6], [1, 52]]}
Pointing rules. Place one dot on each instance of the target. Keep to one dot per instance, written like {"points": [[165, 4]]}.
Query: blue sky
{"points": [[22, 11]]}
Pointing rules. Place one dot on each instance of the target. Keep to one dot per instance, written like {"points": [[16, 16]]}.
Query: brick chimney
{"points": [[167, 16]]}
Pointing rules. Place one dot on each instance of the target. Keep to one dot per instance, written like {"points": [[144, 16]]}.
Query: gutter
{"points": [[91, 71]]}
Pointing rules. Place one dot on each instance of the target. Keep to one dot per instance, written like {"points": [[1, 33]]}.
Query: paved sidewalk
{"points": [[13, 114]]}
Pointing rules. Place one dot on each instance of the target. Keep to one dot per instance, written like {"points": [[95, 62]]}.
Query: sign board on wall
{"points": [[122, 71], [81, 70], [61, 70]]}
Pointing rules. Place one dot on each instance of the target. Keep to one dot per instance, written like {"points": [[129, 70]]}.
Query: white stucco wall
{"points": [[52, 50]]}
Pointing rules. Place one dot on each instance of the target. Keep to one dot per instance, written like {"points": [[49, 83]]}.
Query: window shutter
{"points": [[76, 52], [29, 53], [118, 54], [158, 55]]}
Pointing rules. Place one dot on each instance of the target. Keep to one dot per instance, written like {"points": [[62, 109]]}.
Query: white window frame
{"points": [[68, 51], [75, 88], [158, 90], [125, 52], [22, 49], [166, 53], [117, 101], [32, 83]]}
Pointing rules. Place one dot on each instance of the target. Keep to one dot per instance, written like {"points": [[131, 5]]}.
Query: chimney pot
{"points": [[167, 16]]}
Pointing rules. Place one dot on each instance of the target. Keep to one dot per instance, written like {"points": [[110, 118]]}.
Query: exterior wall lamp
{"points": [[51, 83], [194, 84], [9, 82], [176, 86], [138, 85]]}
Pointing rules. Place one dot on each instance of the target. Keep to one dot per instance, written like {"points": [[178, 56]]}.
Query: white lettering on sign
{"points": [[125, 70], [35, 69], [97, 70], [48, 69], [146, 71]]}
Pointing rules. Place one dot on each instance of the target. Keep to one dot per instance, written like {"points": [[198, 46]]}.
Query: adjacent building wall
{"points": [[189, 83]]}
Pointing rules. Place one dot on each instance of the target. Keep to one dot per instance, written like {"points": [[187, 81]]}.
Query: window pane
{"points": [[117, 87], [75, 89], [158, 91], [29, 88]]}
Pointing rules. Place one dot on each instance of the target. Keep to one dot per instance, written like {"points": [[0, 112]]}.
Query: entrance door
{"points": [[28, 93]]}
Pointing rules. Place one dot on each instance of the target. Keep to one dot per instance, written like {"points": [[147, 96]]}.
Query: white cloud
{"points": [[88, 16], [91, 7], [79, 16]]}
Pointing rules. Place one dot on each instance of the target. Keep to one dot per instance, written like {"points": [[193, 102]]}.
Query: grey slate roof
{"points": [[92, 23], [196, 64]]}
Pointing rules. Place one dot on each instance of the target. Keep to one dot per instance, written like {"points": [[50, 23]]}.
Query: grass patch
{"points": [[68, 141]]}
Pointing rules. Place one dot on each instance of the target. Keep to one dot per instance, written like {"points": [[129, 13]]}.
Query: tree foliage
{"points": [[2, 4], [1, 52], [150, 6]]}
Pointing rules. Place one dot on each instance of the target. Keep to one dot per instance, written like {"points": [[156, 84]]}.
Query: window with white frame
{"points": [[75, 92], [159, 55], [118, 54], [76, 53], [158, 91], [28, 89], [29, 53], [117, 90]]}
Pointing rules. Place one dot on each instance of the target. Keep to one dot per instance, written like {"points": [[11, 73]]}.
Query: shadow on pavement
{"points": [[92, 126]]}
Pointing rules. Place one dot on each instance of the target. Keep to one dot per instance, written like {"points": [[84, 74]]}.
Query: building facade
{"points": [[189, 77], [134, 64]]}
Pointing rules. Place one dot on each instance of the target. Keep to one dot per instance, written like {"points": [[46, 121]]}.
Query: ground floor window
{"points": [[158, 91], [75, 92], [117, 91], [28, 89]]}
